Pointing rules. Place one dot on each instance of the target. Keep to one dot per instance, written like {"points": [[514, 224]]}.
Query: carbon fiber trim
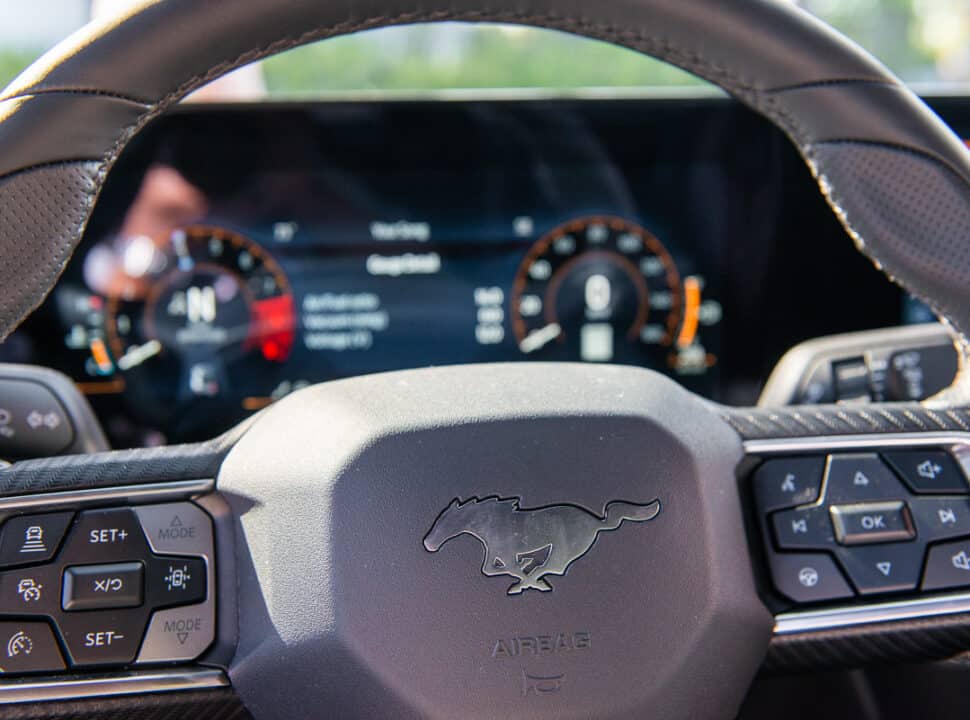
{"points": [[906, 641], [827, 420], [208, 704]]}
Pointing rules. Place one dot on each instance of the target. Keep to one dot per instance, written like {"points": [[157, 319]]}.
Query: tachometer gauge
{"points": [[203, 314], [598, 289]]}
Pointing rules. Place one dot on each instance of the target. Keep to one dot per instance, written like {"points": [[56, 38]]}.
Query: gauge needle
{"points": [[137, 354], [538, 339]]}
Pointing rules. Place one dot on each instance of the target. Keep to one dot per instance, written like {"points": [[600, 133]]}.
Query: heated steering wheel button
{"points": [[28, 647], [879, 569], [868, 523], [803, 529], [787, 482], [947, 566], [928, 471], [32, 538], [808, 577], [91, 587]]}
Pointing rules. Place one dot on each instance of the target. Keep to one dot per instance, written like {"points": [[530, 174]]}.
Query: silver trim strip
{"points": [[149, 492], [829, 619], [130, 683], [808, 621], [122, 683]]}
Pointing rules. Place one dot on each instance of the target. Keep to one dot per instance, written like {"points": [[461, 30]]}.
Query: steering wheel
{"points": [[617, 578]]}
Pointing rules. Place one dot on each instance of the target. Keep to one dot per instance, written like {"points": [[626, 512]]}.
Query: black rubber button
{"points": [[176, 581], [870, 523], [105, 536], [30, 591], [803, 529], [940, 518], [947, 566], [103, 637], [32, 538], [91, 587], [861, 477], [875, 569], [808, 577], [28, 647], [33, 422], [787, 482], [928, 471]]}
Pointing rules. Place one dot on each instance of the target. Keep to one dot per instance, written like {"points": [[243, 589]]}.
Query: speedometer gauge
{"points": [[598, 289], [197, 318]]}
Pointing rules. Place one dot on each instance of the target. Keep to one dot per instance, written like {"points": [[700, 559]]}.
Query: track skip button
{"points": [[179, 634]]}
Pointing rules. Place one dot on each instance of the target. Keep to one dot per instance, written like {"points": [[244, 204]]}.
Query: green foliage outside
{"points": [[487, 58], [12, 62], [913, 37]]}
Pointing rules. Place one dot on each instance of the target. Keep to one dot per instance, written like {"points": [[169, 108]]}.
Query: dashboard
{"points": [[240, 252]]}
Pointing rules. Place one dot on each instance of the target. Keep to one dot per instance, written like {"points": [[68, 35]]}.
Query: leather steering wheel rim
{"points": [[897, 178]]}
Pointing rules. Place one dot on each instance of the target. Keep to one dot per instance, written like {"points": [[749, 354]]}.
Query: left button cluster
{"points": [[92, 582]]}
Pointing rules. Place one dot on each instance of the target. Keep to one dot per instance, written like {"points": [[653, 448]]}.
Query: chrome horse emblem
{"points": [[530, 543]]}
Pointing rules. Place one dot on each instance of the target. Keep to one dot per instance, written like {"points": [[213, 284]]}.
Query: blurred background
{"points": [[926, 42]]}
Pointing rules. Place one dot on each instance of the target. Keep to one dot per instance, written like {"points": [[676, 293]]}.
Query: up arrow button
{"points": [[176, 528]]}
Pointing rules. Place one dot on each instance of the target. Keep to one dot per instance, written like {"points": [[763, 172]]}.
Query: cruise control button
{"points": [[869, 523], [103, 637], [32, 538], [947, 566], [104, 536], [860, 477], [90, 587], [808, 577], [176, 581], [928, 471], [883, 568], [178, 634], [787, 482], [30, 591], [803, 529], [940, 518], [176, 528], [28, 647]]}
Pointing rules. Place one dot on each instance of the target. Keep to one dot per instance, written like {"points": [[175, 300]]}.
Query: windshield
{"points": [[926, 42]]}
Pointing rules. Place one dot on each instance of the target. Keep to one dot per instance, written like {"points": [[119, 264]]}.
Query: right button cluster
{"points": [[865, 523]]}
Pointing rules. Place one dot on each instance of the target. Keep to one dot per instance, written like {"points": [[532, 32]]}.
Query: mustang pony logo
{"points": [[530, 543]]}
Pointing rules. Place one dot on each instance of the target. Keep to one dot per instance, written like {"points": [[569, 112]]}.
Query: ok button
{"points": [[89, 587], [867, 523]]}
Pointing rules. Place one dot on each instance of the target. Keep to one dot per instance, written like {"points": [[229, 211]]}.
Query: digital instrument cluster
{"points": [[239, 253]]}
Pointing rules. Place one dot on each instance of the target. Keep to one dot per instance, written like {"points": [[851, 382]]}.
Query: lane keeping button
{"points": [[869, 523], [32, 538], [90, 587], [28, 647]]}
